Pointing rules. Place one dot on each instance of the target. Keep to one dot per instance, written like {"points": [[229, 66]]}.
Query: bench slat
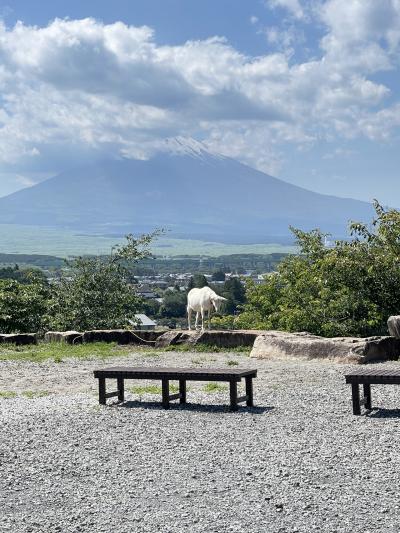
{"points": [[195, 374]]}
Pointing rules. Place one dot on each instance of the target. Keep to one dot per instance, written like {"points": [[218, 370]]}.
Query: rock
{"points": [[18, 338], [227, 339], [283, 345], [69, 337], [220, 338], [169, 338], [122, 336], [394, 326]]}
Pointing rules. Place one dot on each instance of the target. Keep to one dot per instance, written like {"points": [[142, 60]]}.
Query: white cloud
{"points": [[284, 39], [81, 89], [362, 33], [293, 6]]}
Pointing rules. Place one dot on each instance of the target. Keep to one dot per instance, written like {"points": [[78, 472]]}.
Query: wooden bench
{"points": [[367, 377], [165, 375]]}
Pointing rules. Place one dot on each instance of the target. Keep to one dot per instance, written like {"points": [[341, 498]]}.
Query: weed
{"points": [[152, 389], [200, 360], [214, 387], [35, 393], [7, 394], [232, 363]]}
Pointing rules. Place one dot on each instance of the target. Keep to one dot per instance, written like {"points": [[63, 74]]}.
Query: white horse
{"points": [[201, 301]]}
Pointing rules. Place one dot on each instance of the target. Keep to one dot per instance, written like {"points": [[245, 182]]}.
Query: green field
{"points": [[67, 243]]}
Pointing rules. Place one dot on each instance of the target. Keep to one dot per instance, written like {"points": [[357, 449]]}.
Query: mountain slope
{"points": [[192, 192]]}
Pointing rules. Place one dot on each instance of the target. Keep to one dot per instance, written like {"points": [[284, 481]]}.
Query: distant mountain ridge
{"points": [[186, 189]]}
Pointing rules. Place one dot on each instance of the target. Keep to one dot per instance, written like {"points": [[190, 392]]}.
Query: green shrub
{"points": [[348, 289], [23, 306]]}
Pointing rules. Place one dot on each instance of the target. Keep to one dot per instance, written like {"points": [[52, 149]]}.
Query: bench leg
{"points": [[182, 390], [249, 391], [165, 393], [120, 382], [233, 395], [367, 395], [102, 391], [355, 392]]}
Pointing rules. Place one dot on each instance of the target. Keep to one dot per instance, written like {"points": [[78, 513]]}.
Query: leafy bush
{"points": [[92, 295], [95, 292], [174, 304], [349, 289], [23, 306]]}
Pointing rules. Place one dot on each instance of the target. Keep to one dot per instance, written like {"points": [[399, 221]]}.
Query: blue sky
{"points": [[306, 90]]}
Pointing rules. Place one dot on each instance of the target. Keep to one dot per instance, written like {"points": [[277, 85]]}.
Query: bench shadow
{"points": [[383, 413], [201, 407]]}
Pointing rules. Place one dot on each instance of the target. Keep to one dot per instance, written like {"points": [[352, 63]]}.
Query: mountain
{"points": [[186, 189]]}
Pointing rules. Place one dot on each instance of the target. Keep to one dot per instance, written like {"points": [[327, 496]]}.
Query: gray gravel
{"points": [[298, 462]]}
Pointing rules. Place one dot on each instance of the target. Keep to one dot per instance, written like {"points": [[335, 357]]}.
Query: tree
{"points": [[235, 293], [219, 275], [23, 306], [174, 304], [197, 281], [349, 289], [151, 307], [95, 292], [26, 275]]}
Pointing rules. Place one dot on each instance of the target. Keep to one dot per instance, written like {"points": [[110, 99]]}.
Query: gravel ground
{"points": [[298, 462]]}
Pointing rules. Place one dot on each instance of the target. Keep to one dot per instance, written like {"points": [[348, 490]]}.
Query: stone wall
{"points": [[283, 345], [120, 336], [18, 338], [265, 344]]}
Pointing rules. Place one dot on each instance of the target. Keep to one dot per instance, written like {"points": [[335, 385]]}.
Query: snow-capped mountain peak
{"points": [[189, 147]]}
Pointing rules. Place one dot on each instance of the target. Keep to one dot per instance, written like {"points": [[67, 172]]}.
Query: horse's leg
{"points": [[209, 319], [189, 315], [197, 320], [202, 319]]}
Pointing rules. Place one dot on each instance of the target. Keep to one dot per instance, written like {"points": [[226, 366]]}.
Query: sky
{"points": [[304, 90]]}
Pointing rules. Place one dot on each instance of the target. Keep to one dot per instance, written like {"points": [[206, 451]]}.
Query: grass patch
{"points": [[214, 387], [152, 389], [231, 362], [31, 394], [207, 348], [7, 394], [58, 351], [201, 360], [148, 352]]}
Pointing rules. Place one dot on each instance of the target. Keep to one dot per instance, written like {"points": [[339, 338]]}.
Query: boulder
{"points": [[68, 337], [282, 345], [169, 338], [394, 326], [122, 336], [226, 339], [19, 339], [220, 338]]}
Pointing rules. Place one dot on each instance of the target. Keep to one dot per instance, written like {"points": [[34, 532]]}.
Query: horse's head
{"points": [[217, 302]]}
